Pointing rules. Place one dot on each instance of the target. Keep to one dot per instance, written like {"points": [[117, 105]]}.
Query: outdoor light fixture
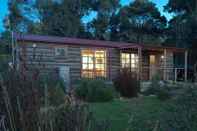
{"points": [[10, 64], [162, 57], [34, 45]]}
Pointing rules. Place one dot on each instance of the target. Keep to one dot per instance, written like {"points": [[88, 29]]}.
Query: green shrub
{"points": [[127, 84], [181, 114], [161, 90], [56, 96], [94, 91], [163, 94], [82, 89], [55, 90]]}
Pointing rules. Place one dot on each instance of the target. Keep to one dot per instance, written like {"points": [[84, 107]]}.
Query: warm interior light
{"points": [[129, 60], [93, 63], [152, 59]]}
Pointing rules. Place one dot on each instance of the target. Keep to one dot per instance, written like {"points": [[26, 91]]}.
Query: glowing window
{"points": [[129, 60], [152, 59], [93, 63], [125, 60]]}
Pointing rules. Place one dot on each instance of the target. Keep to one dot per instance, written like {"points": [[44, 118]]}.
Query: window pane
{"points": [[100, 63], [133, 61], [91, 66], [99, 54], [91, 60], [127, 56], [85, 59], [100, 60], [133, 65], [100, 66], [85, 66], [125, 59], [132, 56]]}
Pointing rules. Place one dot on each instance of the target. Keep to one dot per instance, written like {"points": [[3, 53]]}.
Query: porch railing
{"points": [[175, 74]]}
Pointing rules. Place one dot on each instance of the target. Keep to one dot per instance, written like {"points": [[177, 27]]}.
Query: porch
{"points": [[149, 61]]}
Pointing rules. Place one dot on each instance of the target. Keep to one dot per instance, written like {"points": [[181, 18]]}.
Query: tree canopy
{"points": [[139, 22], [182, 28], [136, 22]]}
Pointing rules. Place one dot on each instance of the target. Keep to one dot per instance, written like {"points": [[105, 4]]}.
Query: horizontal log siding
{"points": [[47, 62], [115, 63], [43, 58]]}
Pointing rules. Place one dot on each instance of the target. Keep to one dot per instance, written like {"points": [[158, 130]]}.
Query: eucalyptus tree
{"points": [[49, 17], [141, 22], [102, 24], [182, 29], [183, 26]]}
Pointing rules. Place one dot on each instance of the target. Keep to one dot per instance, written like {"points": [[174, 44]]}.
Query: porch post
{"points": [[186, 64], [175, 75], [109, 63], [165, 65], [140, 63]]}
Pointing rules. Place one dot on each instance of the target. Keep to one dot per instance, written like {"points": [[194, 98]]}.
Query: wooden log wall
{"points": [[114, 63], [43, 58]]}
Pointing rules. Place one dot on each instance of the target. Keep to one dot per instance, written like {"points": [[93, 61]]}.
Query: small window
{"points": [[60, 52]]}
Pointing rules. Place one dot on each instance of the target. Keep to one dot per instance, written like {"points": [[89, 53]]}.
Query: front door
{"points": [[152, 63], [64, 73]]}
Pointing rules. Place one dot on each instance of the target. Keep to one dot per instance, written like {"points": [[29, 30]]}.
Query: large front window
{"points": [[93, 63], [129, 60]]}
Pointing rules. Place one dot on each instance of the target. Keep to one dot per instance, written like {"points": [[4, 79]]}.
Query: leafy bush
{"points": [[82, 89], [158, 88], [154, 86], [163, 94], [127, 84], [94, 91], [4, 61], [55, 89], [33, 104], [181, 114], [67, 118]]}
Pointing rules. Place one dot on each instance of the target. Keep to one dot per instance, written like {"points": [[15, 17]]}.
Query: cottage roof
{"points": [[88, 42]]}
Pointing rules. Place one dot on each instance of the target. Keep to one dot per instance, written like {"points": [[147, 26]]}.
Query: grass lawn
{"points": [[119, 112]]}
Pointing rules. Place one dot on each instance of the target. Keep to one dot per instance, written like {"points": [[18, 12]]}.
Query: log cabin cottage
{"points": [[78, 58]]}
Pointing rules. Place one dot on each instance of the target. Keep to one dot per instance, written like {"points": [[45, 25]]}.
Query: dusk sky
{"points": [[4, 9]]}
